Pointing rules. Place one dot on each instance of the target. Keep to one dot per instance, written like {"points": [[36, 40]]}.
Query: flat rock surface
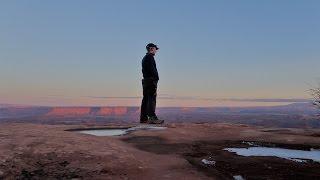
{"points": [[35, 151]]}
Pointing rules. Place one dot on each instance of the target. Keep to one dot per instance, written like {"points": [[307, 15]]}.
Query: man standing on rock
{"points": [[149, 84]]}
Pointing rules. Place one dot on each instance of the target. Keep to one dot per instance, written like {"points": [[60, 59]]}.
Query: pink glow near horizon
{"points": [[136, 102]]}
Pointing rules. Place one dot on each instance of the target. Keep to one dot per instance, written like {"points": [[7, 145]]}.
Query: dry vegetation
{"points": [[315, 92]]}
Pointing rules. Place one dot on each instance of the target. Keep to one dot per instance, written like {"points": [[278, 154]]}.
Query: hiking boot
{"points": [[154, 120], [144, 121]]}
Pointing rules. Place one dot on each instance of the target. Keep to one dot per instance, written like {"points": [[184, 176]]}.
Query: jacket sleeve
{"points": [[154, 69]]}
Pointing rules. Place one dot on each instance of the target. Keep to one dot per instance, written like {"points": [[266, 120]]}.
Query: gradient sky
{"points": [[89, 52]]}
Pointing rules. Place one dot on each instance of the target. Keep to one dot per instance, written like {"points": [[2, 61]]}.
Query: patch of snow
{"points": [[238, 177], [105, 132], [118, 132], [146, 127], [313, 149], [298, 160], [249, 143], [290, 154]]}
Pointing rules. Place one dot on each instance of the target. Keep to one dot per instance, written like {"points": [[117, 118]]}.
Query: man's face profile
{"points": [[153, 50]]}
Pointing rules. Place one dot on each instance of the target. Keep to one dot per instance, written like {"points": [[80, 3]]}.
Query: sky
{"points": [[212, 52]]}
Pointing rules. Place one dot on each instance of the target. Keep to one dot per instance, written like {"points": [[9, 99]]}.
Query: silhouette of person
{"points": [[149, 85]]}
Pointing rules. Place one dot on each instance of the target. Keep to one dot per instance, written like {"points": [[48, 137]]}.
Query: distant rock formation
{"points": [[86, 111], [69, 111], [112, 111]]}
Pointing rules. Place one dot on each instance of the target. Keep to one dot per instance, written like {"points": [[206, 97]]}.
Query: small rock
{"points": [[208, 162]]}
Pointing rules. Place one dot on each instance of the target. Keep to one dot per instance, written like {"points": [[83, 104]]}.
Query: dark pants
{"points": [[148, 104]]}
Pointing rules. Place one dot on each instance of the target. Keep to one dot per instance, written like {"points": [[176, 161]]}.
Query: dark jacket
{"points": [[149, 68]]}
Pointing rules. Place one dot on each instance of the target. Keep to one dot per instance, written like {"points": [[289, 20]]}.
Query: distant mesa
{"points": [[86, 111], [69, 111], [112, 111], [105, 111], [120, 110]]}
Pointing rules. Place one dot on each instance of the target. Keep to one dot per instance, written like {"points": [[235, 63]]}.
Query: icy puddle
{"points": [[290, 154], [105, 132], [120, 131]]}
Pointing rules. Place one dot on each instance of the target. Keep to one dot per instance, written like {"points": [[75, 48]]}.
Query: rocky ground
{"points": [[34, 151]]}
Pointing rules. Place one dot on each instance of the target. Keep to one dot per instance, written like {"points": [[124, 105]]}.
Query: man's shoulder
{"points": [[148, 57]]}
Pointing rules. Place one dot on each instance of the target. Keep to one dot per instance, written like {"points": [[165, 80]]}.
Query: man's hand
{"points": [[155, 91], [155, 85]]}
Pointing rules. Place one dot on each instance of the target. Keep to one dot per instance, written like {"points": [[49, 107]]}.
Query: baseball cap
{"points": [[151, 45]]}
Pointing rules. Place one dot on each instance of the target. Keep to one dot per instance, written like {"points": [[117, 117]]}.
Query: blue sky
{"points": [[66, 52]]}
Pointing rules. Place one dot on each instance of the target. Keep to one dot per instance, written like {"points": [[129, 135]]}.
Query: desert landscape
{"points": [[225, 90], [179, 151], [293, 115], [194, 143]]}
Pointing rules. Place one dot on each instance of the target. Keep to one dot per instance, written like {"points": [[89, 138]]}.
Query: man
{"points": [[149, 84]]}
